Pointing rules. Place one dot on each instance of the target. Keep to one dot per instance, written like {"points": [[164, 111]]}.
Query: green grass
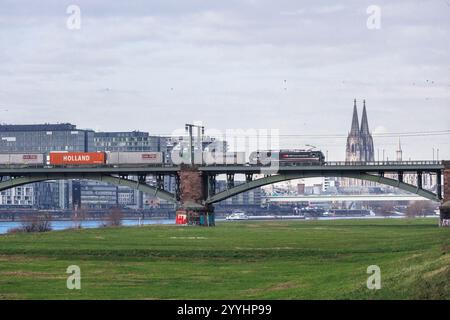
{"points": [[242, 260]]}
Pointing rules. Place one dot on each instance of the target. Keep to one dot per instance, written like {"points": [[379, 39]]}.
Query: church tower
{"points": [[353, 148], [367, 150]]}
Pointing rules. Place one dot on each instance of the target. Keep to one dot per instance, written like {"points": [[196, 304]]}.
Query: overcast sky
{"points": [[289, 65]]}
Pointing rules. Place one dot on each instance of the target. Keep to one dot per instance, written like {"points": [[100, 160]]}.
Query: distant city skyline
{"points": [[232, 64]]}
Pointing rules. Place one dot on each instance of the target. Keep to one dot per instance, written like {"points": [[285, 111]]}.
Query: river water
{"points": [[65, 224]]}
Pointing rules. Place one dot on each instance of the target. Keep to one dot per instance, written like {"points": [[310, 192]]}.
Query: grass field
{"points": [[242, 260]]}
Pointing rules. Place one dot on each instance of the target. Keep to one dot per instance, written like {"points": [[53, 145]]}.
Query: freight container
{"points": [[224, 158], [134, 158], [22, 158], [76, 158]]}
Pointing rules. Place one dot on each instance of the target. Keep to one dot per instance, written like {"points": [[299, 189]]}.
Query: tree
{"points": [[419, 208], [387, 208], [78, 216], [114, 218]]}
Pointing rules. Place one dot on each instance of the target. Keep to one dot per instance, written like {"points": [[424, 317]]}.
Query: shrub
{"points": [[35, 223]]}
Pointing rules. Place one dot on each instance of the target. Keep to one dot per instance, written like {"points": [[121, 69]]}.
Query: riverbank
{"points": [[62, 224]]}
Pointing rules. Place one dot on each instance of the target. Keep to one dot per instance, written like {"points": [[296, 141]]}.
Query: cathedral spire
{"points": [[355, 122], [364, 121]]}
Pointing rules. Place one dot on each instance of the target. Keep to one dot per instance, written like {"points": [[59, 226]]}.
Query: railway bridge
{"points": [[196, 190]]}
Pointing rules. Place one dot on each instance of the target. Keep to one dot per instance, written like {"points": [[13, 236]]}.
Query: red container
{"points": [[61, 158]]}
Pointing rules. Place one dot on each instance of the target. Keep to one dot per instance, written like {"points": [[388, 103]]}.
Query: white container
{"points": [[22, 158], [224, 158], [134, 158]]}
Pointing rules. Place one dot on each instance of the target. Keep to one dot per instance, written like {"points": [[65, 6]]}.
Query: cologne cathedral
{"points": [[359, 140], [359, 146]]}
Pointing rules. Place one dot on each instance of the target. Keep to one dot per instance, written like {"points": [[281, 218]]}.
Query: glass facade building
{"points": [[44, 138], [133, 141]]}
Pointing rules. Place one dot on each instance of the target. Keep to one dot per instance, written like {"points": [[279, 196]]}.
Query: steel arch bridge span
{"points": [[284, 177], [20, 181]]}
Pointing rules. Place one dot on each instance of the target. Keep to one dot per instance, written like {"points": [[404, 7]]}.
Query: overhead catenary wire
{"points": [[328, 136]]}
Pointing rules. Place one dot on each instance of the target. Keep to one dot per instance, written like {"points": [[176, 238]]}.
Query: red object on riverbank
{"points": [[181, 217]]}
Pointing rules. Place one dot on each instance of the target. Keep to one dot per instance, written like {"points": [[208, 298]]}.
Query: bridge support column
{"points": [[444, 209], [419, 179], [193, 210], [211, 184], [230, 180]]}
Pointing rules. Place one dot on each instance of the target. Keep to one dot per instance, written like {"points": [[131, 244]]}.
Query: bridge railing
{"points": [[169, 165], [382, 163]]}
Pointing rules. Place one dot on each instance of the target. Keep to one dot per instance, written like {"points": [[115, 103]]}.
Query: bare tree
{"points": [[114, 218], [387, 208], [78, 216], [419, 208]]}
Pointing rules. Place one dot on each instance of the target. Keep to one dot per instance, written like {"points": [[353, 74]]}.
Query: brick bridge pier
{"points": [[445, 207], [193, 193]]}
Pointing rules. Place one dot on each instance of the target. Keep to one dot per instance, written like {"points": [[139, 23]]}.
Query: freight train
{"points": [[64, 158]]}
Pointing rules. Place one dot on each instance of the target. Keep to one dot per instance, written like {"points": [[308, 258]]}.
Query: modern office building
{"points": [[17, 197], [97, 195], [132, 141], [45, 138], [52, 194]]}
